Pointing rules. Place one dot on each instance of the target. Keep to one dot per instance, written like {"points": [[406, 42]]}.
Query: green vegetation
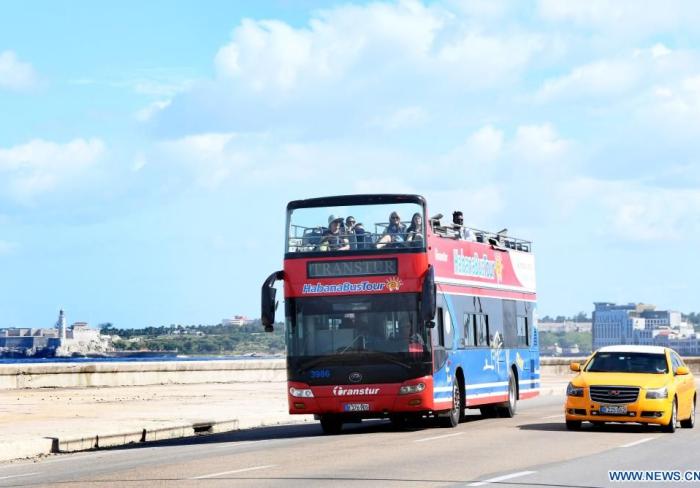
{"points": [[200, 339], [579, 317], [567, 339]]}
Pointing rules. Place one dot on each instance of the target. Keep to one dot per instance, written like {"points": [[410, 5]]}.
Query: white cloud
{"points": [[365, 44], [7, 247], [147, 113], [623, 17], [674, 108], [41, 166], [600, 78], [631, 211], [16, 75], [540, 144], [403, 118]]}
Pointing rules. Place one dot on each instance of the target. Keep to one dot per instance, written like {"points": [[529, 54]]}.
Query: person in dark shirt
{"points": [[395, 232], [415, 232]]}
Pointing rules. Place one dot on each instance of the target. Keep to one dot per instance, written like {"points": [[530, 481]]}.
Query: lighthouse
{"points": [[61, 325]]}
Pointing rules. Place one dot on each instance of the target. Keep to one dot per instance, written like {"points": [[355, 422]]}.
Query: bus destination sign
{"points": [[355, 267]]}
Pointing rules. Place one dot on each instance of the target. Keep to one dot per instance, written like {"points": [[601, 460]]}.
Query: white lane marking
{"points": [[502, 478], [636, 443], [214, 475], [558, 416], [17, 476], [437, 437]]}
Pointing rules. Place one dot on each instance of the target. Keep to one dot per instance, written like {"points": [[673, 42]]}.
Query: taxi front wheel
{"points": [[670, 427]]}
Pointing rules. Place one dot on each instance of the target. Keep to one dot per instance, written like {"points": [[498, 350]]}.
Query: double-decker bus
{"points": [[392, 314]]}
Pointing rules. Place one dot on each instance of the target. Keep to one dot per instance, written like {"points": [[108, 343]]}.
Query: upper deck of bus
{"points": [[493, 264]]}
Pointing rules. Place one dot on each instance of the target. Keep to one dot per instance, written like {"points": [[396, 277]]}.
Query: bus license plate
{"points": [[356, 407], [613, 409]]}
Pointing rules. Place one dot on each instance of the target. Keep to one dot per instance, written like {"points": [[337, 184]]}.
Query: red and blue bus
{"points": [[393, 314]]}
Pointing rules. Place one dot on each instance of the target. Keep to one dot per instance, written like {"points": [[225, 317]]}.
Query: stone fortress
{"points": [[60, 341]]}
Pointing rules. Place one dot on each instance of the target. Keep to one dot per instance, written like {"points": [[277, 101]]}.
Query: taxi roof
{"points": [[634, 348]]}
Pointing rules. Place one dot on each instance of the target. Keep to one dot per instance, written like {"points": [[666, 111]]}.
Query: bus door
{"points": [[441, 338]]}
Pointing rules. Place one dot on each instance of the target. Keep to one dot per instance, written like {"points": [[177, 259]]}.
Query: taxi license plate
{"points": [[613, 409], [356, 407]]}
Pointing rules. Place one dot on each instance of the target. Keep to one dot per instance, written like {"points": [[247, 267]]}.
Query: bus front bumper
{"points": [[362, 400]]}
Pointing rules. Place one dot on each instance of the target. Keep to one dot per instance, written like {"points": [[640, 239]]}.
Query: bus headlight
{"points": [[658, 393], [574, 391], [298, 393], [409, 389]]}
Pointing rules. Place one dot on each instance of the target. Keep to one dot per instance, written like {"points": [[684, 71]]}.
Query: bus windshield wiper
{"points": [[390, 358]]}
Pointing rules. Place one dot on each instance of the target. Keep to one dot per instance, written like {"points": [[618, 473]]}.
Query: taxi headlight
{"points": [[408, 389], [574, 391], [658, 393], [299, 393]]}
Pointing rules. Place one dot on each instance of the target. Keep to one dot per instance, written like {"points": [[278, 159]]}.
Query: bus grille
{"points": [[614, 394]]}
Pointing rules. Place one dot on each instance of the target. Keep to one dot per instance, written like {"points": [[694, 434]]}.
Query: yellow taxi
{"points": [[643, 384]]}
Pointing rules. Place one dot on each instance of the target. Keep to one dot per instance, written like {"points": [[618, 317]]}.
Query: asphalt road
{"points": [[532, 449]]}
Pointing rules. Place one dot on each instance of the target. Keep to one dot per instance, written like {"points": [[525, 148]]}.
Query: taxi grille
{"points": [[614, 394]]}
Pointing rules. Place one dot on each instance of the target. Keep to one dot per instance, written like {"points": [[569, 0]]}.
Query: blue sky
{"points": [[147, 150]]}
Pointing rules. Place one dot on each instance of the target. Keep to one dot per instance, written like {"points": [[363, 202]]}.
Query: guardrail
{"points": [[17, 376]]}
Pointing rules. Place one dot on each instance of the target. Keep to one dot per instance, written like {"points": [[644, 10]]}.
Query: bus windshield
{"points": [[358, 325], [356, 228]]}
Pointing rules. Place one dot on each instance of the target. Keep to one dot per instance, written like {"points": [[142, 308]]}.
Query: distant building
{"points": [[642, 324], [60, 340], [566, 326], [236, 321]]}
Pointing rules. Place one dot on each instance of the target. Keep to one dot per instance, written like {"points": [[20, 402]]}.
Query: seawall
{"points": [[18, 376]]}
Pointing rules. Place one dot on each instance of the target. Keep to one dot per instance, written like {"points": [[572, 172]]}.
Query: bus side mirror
{"points": [[428, 299], [268, 302]]}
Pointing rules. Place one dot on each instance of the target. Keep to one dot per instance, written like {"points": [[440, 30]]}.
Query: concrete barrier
{"points": [[62, 375]]}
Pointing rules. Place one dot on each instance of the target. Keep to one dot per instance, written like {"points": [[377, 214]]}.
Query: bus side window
{"points": [[523, 336], [482, 329], [468, 339], [439, 336]]}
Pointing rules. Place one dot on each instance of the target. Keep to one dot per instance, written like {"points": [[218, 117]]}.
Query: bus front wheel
{"points": [[451, 419], [331, 424]]}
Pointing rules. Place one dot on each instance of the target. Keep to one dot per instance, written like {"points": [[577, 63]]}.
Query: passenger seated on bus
{"points": [[395, 232], [462, 232], [414, 232], [333, 238], [355, 233]]}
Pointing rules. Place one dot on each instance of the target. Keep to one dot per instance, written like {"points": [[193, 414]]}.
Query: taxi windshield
{"points": [[628, 362]]}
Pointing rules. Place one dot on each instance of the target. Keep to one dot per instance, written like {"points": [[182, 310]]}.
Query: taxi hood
{"points": [[643, 380]]}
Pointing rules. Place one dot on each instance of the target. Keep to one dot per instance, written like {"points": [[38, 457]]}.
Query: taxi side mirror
{"points": [[575, 366], [682, 370]]}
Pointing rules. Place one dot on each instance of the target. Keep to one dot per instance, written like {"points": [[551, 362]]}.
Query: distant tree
{"points": [[581, 317]]}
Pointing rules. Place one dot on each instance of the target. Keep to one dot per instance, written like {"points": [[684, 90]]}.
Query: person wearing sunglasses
{"points": [[394, 234], [458, 225]]}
